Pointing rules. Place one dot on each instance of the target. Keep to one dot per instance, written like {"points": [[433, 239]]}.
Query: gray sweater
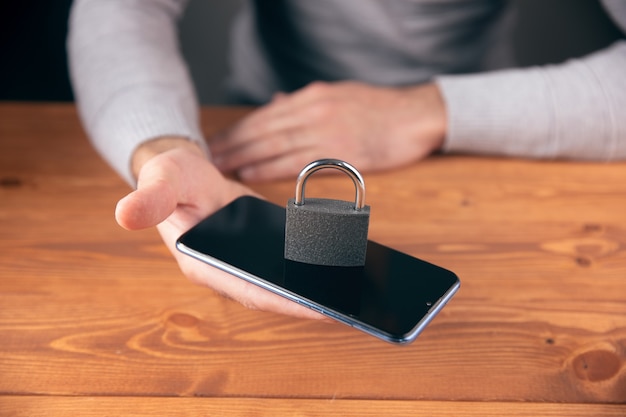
{"points": [[131, 83]]}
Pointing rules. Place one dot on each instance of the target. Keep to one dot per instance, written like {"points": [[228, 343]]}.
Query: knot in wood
{"points": [[183, 320], [596, 365]]}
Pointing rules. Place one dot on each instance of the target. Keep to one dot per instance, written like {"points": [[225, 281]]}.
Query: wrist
{"points": [[147, 150], [432, 120]]}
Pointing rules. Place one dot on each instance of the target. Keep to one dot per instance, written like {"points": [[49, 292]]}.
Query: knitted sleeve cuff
{"points": [[573, 110], [143, 114]]}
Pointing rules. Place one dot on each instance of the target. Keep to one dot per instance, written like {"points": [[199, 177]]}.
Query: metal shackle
{"points": [[314, 166]]}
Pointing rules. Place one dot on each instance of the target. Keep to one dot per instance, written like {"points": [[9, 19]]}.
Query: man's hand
{"points": [[373, 128], [176, 188]]}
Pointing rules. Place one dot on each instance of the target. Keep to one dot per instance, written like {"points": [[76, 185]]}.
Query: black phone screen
{"points": [[392, 297]]}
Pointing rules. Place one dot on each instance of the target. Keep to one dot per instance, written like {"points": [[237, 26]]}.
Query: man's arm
{"points": [[129, 79], [573, 110], [576, 110], [136, 102]]}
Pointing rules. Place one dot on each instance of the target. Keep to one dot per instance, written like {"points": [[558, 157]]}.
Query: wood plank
{"points": [[191, 407], [87, 308]]}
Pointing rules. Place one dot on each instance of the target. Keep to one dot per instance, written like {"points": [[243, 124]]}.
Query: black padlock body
{"points": [[326, 232]]}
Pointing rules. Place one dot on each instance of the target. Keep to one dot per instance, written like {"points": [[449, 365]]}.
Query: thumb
{"points": [[151, 203]]}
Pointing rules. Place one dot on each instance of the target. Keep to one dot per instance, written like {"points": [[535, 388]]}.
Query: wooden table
{"points": [[96, 320]]}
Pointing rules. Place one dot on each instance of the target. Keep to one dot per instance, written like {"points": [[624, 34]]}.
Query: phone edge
{"points": [[341, 318]]}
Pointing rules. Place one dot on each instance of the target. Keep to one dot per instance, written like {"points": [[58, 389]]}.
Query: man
{"points": [[380, 83]]}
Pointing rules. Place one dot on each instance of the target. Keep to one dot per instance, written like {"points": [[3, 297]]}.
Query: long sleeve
{"points": [[129, 78], [575, 110]]}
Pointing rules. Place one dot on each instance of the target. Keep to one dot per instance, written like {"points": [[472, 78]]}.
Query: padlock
{"points": [[325, 231]]}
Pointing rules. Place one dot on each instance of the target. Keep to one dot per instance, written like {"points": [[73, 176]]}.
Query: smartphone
{"points": [[393, 296]]}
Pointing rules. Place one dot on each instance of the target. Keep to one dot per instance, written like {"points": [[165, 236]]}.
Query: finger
{"points": [[230, 286], [267, 147], [263, 121], [285, 111], [153, 201], [257, 298], [285, 166]]}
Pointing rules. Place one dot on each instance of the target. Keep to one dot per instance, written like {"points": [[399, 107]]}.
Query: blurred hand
{"points": [[177, 187], [373, 128]]}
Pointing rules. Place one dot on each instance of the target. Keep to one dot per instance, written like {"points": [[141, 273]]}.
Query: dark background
{"points": [[32, 42]]}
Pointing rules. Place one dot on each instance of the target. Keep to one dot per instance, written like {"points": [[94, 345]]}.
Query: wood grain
{"points": [[260, 407], [90, 310]]}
